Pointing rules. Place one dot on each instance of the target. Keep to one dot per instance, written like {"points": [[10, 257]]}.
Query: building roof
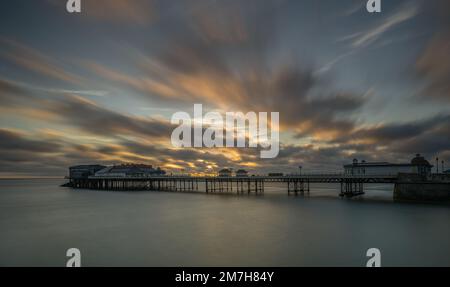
{"points": [[376, 164], [87, 166], [130, 169], [419, 160]]}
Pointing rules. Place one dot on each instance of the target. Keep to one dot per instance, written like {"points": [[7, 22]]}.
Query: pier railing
{"points": [[299, 176], [350, 184]]}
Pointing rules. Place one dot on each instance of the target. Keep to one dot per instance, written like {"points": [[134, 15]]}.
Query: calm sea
{"points": [[39, 221]]}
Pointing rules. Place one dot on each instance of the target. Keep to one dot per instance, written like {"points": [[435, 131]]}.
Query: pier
{"points": [[350, 185], [411, 179]]}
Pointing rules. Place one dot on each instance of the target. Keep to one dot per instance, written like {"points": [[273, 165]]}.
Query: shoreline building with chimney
{"points": [[418, 165]]}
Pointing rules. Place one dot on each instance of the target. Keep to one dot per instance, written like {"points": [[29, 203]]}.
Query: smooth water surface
{"points": [[39, 221]]}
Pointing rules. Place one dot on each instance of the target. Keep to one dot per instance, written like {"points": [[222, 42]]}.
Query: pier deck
{"points": [[350, 185]]}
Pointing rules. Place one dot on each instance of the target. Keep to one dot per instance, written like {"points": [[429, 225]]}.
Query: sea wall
{"points": [[414, 188]]}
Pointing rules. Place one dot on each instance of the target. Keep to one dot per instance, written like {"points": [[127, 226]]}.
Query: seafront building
{"points": [[130, 170], [241, 173], [418, 165], [116, 171], [226, 172], [275, 174], [84, 171]]}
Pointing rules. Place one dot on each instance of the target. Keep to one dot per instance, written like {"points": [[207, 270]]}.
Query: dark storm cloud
{"points": [[15, 141], [397, 141], [434, 140], [20, 153], [32, 169], [289, 92], [92, 118], [28, 162], [388, 133], [23, 155], [82, 113]]}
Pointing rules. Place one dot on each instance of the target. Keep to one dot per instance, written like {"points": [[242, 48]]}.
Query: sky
{"points": [[101, 86]]}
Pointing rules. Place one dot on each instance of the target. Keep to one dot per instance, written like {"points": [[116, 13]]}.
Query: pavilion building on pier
{"points": [[418, 165]]}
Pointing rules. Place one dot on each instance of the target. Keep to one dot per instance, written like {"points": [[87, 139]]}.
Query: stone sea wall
{"points": [[412, 187]]}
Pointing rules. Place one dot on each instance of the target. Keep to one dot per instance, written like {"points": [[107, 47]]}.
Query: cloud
{"points": [[355, 7], [26, 154], [434, 140], [90, 117], [7, 87], [222, 56], [77, 111], [387, 133], [10, 93], [118, 11], [137, 12], [16, 141], [36, 61], [19, 94], [400, 140], [327, 67], [433, 66], [53, 152], [285, 89], [405, 13]]}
